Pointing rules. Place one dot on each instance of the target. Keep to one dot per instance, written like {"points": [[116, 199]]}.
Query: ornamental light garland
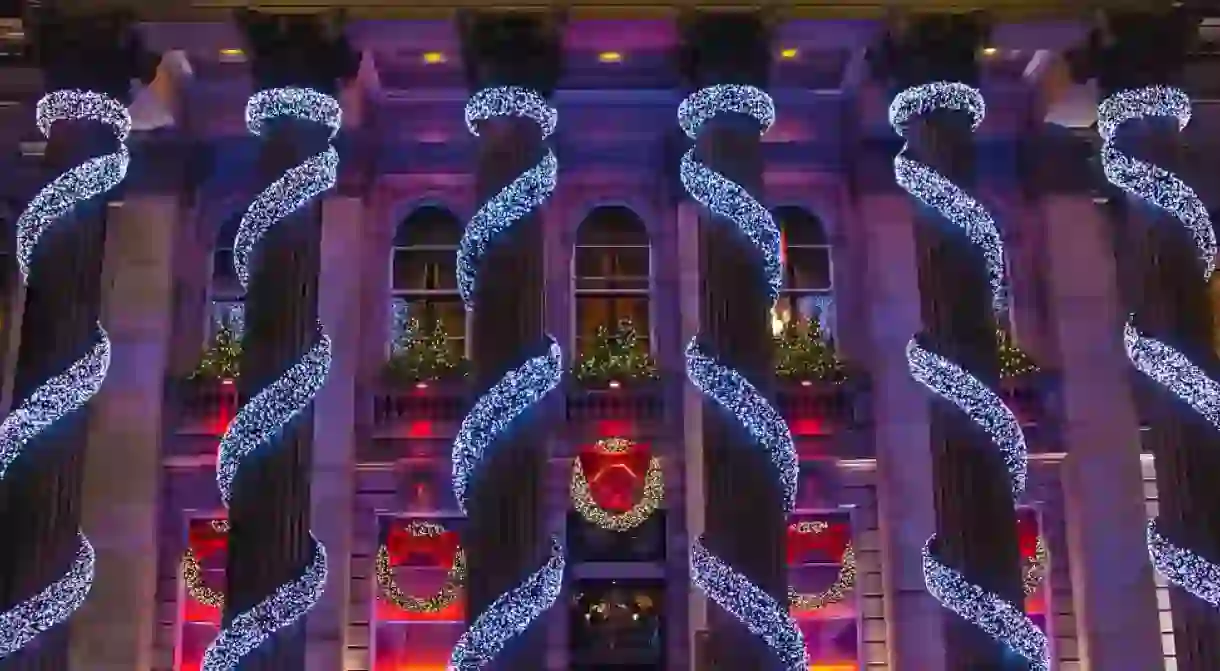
{"points": [[443, 598], [265, 416], [844, 581], [524, 194], [1157, 360], [64, 393], [518, 390], [761, 613], [582, 496], [1000, 619], [192, 574]]}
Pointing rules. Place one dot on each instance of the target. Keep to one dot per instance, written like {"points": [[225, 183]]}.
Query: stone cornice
{"points": [[184, 10]]}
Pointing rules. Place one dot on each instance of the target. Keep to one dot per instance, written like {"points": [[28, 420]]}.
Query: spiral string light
{"points": [[1004, 621], [518, 390], [763, 615], [525, 193], [1154, 358], [69, 391], [266, 415]]}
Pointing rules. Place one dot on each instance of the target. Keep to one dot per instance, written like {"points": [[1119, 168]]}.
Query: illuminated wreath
{"points": [[838, 589], [192, 574], [443, 598], [582, 497]]}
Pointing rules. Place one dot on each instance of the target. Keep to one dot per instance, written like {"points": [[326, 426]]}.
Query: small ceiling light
{"points": [[232, 55], [610, 57], [434, 57], [789, 53], [990, 51]]}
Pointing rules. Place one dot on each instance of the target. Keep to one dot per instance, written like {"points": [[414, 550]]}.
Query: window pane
{"points": [[418, 270], [612, 225], [448, 310], [800, 307], [222, 265], [800, 227], [595, 311], [225, 285], [429, 226], [230, 314], [612, 268], [808, 268]]}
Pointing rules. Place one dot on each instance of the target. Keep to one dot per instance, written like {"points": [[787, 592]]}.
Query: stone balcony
{"points": [[1034, 399], [201, 405], [827, 419]]}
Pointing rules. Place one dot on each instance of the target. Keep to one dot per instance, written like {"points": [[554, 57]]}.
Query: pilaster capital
{"points": [[100, 51], [1130, 49], [725, 48], [307, 51], [512, 49], [932, 47]]}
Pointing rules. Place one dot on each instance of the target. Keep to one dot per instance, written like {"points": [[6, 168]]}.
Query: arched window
{"points": [[424, 276], [228, 300], [808, 291], [612, 268]]}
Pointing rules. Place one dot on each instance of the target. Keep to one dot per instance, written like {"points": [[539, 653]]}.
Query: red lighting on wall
{"points": [[614, 427], [808, 426]]}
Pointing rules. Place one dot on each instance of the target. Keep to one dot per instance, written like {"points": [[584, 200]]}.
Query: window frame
{"points": [[215, 297], [427, 296], [577, 292], [789, 294]]}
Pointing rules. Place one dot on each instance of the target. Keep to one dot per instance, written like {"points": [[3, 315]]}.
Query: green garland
{"points": [[804, 353], [615, 355], [222, 359], [416, 356], [1013, 360]]}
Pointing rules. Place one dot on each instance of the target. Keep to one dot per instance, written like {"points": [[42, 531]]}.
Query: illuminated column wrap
{"points": [[520, 388], [69, 391], [765, 616], [999, 618], [260, 420], [1161, 362]]}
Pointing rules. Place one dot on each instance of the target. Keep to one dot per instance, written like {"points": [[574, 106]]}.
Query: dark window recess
{"points": [[617, 624], [590, 543]]}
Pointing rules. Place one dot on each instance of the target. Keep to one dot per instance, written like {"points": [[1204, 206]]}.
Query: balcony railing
{"points": [[638, 402], [818, 407], [1034, 398], [399, 406], [202, 406]]}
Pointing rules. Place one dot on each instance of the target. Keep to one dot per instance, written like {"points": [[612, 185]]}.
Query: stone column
{"points": [[332, 489], [1114, 596], [40, 495], [692, 403], [121, 490], [122, 467], [906, 513], [270, 510], [505, 536], [976, 523], [1164, 288], [745, 520], [13, 297]]}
